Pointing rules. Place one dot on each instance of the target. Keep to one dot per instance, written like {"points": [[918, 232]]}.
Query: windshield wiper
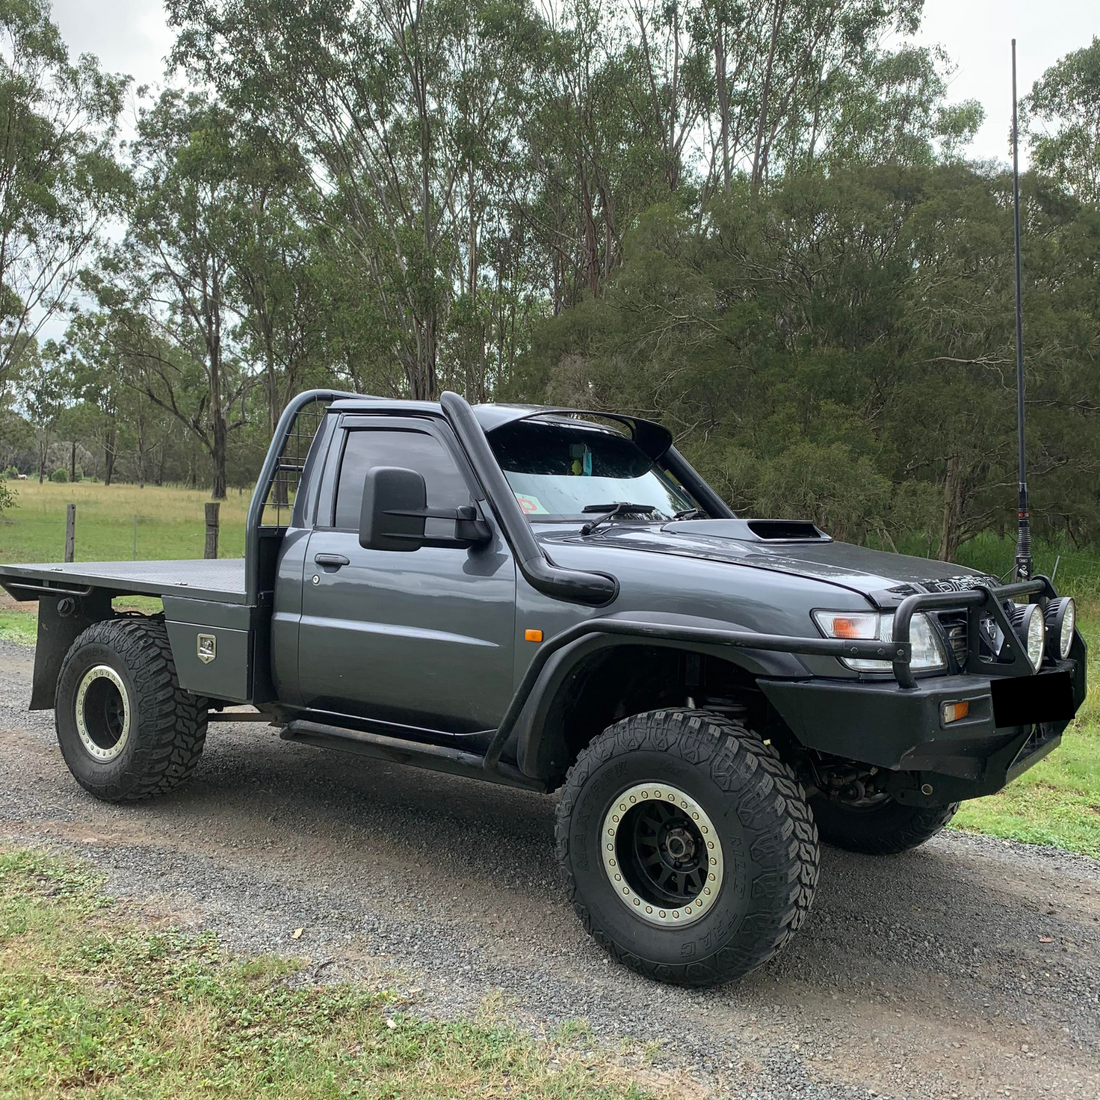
{"points": [[691, 513], [619, 508]]}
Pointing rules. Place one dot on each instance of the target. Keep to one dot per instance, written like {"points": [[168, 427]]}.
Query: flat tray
{"points": [[219, 579]]}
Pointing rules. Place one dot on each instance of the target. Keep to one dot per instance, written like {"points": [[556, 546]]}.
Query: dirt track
{"points": [[925, 975]]}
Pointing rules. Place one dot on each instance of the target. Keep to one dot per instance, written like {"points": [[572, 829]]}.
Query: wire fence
{"points": [[120, 538]]}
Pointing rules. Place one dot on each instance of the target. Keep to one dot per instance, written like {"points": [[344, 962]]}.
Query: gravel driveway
{"points": [[969, 968]]}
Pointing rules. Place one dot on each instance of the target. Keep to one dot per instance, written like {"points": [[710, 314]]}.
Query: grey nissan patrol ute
{"points": [[556, 600]]}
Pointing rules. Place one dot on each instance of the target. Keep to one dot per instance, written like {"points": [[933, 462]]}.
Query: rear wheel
{"points": [[687, 846], [125, 728], [877, 824]]}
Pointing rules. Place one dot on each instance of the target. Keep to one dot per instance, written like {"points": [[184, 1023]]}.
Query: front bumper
{"points": [[882, 724]]}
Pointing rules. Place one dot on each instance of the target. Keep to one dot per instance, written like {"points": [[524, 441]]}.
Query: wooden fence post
{"points": [[212, 509], [70, 532]]}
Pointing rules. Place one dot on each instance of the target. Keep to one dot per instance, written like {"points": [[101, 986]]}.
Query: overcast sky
{"points": [[131, 36]]}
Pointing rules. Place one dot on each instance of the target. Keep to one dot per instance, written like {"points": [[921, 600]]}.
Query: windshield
{"points": [[557, 470]]}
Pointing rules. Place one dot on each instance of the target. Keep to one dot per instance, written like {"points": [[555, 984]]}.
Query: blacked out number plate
{"points": [[1024, 700]]}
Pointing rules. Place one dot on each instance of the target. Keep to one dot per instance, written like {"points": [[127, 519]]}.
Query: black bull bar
{"points": [[1013, 660]]}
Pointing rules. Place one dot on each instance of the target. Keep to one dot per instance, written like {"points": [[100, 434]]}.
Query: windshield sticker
{"points": [[531, 506]]}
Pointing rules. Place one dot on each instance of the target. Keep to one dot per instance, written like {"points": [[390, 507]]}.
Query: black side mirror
{"points": [[395, 508]]}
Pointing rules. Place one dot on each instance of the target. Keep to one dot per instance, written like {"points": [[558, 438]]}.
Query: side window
{"points": [[369, 447]]}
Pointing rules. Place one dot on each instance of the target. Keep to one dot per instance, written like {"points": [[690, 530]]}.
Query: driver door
{"points": [[423, 638]]}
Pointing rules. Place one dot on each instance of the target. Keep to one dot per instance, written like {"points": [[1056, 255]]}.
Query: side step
{"points": [[394, 750]]}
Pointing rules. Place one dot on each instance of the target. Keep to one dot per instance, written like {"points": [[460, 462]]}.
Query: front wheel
{"points": [[877, 825], [687, 847]]}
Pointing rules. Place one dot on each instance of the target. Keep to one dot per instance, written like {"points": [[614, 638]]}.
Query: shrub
{"points": [[11, 473], [60, 475], [8, 497]]}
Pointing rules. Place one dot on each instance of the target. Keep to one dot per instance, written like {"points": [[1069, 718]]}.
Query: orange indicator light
{"points": [[848, 628], [952, 712], [532, 635]]}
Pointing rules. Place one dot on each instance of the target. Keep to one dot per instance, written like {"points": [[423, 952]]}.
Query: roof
{"points": [[654, 438], [489, 416]]}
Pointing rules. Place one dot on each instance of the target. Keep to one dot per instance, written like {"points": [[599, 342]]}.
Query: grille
{"points": [[954, 626]]}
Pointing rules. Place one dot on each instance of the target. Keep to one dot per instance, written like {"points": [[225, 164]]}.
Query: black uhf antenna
{"points": [[1022, 567]]}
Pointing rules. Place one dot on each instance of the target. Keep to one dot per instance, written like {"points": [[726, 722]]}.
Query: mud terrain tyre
{"points": [[882, 829], [687, 847], [126, 730]]}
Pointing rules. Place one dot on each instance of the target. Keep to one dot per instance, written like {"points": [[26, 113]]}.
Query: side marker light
{"points": [[532, 635], [952, 712]]}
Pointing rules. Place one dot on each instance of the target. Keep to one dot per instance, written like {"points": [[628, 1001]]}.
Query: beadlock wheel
{"points": [[662, 854], [657, 804], [102, 713]]}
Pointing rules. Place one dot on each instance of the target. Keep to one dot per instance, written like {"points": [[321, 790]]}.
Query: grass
{"points": [[1057, 802], [96, 1004], [170, 523], [19, 626]]}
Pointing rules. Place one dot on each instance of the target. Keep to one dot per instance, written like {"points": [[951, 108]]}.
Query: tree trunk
{"points": [[218, 454], [723, 103], [274, 410], [951, 529], [591, 241], [43, 454], [142, 453], [213, 318], [109, 454], [757, 165]]}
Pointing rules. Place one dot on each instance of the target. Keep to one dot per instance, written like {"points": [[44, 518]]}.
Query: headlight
{"points": [[1061, 621], [1027, 621], [928, 654]]}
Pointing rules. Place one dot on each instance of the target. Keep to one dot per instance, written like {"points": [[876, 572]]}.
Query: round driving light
{"points": [[1061, 621], [1030, 629]]}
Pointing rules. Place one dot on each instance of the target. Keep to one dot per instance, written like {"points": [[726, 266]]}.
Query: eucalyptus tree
{"points": [[782, 72], [274, 265], [166, 283], [58, 178], [1061, 117], [46, 392], [595, 153], [403, 110], [666, 45], [96, 381]]}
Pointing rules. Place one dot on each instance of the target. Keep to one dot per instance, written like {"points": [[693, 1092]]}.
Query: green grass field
{"points": [[94, 1004], [1057, 802], [170, 523]]}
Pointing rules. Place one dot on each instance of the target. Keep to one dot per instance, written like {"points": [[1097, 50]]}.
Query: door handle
{"points": [[332, 560]]}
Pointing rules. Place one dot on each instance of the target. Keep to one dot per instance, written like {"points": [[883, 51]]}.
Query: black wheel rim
{"points": [[662, 853], [105, 714]]}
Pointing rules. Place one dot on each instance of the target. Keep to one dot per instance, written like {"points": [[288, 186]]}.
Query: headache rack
{"points": [[277, 486]]}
